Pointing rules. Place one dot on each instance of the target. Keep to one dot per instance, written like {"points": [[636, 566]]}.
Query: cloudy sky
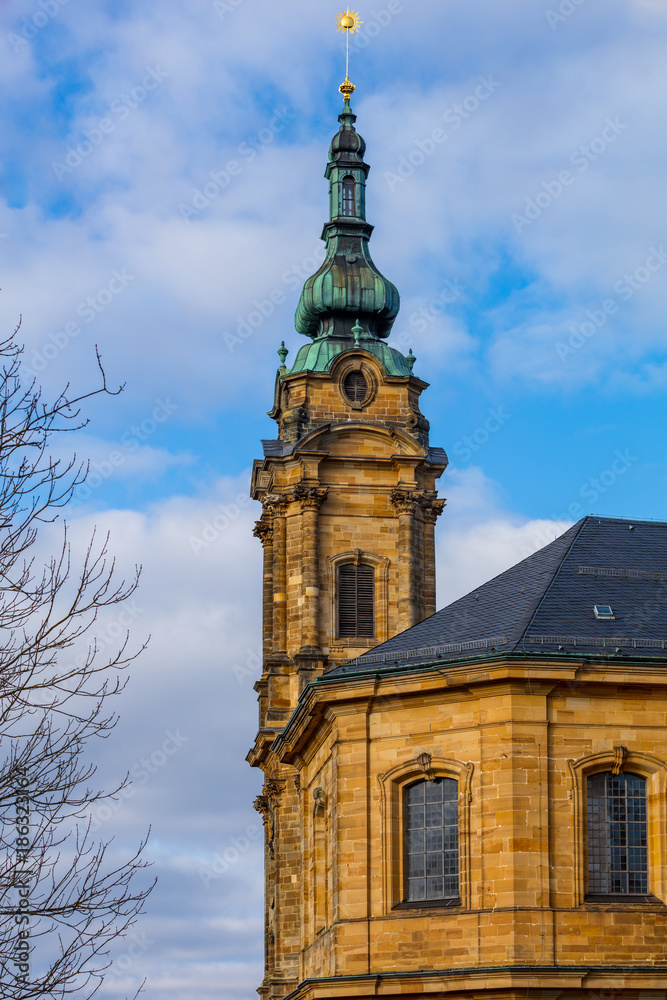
{"points": [[162, 198]]}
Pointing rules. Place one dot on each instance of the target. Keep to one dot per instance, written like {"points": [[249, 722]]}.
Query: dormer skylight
{"points": [[603, 611]]}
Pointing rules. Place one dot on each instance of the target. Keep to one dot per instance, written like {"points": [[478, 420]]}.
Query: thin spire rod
{"points": [[348, 21]]}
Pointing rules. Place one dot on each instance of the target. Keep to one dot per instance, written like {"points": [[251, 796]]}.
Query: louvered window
{"points": [[348, 196], [617, 841], [356, 601], [355, 386], [432, 841]]}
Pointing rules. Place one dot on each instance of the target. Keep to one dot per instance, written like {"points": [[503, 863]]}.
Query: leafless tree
{"points": [[64, 895]]}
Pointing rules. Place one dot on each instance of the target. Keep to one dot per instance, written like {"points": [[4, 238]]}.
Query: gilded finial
{"points": [[282, 353], [348, 21]]}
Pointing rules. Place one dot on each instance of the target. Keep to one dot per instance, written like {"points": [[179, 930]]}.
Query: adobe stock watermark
{"points": [[107, 634], [454, 117], [140, 773], [251, 668], [420, 320], [224, 7], [246, 151], [553, 189], [88, 310], [130, 442], [592, 490], [373, 24], [227, 514], [21, 949], [565, 11], [121, 108], [265, 307], [471, 443], [33, 23], [222, 861], [138, 946], [625, 287]]}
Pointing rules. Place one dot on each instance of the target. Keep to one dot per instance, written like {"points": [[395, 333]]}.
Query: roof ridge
{"points": [[547, 590]]}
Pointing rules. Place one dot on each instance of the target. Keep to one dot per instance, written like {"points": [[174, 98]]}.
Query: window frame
{"points": [[348, 182], [381, 590], [444, 900], [357, 607], [393, 785], [602, 849], [654, 771]]}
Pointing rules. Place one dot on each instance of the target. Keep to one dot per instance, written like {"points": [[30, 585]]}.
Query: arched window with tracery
{"points": [[432, 841], [617, 835]]}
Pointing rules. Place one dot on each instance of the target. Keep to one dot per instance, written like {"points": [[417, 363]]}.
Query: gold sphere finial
{"points": [[348, 21]]}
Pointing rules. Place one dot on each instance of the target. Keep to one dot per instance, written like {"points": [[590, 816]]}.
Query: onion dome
{"points": [[348, 286]]}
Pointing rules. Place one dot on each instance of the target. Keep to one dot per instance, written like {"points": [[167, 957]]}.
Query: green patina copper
{"points": [[320, 355], [347, 290]]}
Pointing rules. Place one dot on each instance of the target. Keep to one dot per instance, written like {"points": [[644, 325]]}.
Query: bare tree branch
{"points": [[63, 892]]}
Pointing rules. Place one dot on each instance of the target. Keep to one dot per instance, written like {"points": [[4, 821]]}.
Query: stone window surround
{"points": [[392, 786], [381, 567], [647, 766], [352, 363]]}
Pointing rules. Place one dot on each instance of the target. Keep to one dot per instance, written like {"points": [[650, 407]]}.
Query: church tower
{"points": [[349, 510], [470, 803]]}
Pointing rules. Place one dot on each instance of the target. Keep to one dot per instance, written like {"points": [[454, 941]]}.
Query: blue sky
{"points": [[162, 187]]}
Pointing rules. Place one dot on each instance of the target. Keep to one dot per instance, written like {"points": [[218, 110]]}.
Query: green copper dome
{"points": [[320, 355], [348, 286]]}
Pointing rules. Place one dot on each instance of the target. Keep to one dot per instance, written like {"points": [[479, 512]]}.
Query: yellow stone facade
{"points": [[520, 737], [519, 733], [357, 485]]}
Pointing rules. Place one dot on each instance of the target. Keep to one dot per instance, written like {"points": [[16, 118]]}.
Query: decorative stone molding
{"points": [[263, 530], [432, 508], [414, 501], [275, 504], [424, 761], [419, 426], [320, 799], [309, 497], [267, 804], [392, 785], [647, 766], [620, 757], [405, 501], [261, 805], [352, 364], [273, 788]]}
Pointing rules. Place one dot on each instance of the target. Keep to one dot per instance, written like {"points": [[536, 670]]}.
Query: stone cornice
{"points": [[258, 753], [513, 672], [529, 980]]}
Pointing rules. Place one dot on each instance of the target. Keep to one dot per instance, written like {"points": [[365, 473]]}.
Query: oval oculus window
{"points": [[355, 386]]}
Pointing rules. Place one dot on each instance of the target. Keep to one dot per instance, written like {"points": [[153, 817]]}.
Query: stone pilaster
{"points": [[310, 499], [277, 505], [405, 503], [431, 511], [264, 531]]}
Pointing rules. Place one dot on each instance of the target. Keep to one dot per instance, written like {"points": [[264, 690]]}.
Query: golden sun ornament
{"points": [[348, 21]]}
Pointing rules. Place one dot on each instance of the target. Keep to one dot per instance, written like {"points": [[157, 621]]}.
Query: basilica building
{"points": [[470, 803]]}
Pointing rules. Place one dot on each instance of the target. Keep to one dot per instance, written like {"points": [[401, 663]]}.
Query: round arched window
{"points": [[355, 386]]}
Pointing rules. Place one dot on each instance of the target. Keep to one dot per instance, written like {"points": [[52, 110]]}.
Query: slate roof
{"points": [[545, 604]]}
